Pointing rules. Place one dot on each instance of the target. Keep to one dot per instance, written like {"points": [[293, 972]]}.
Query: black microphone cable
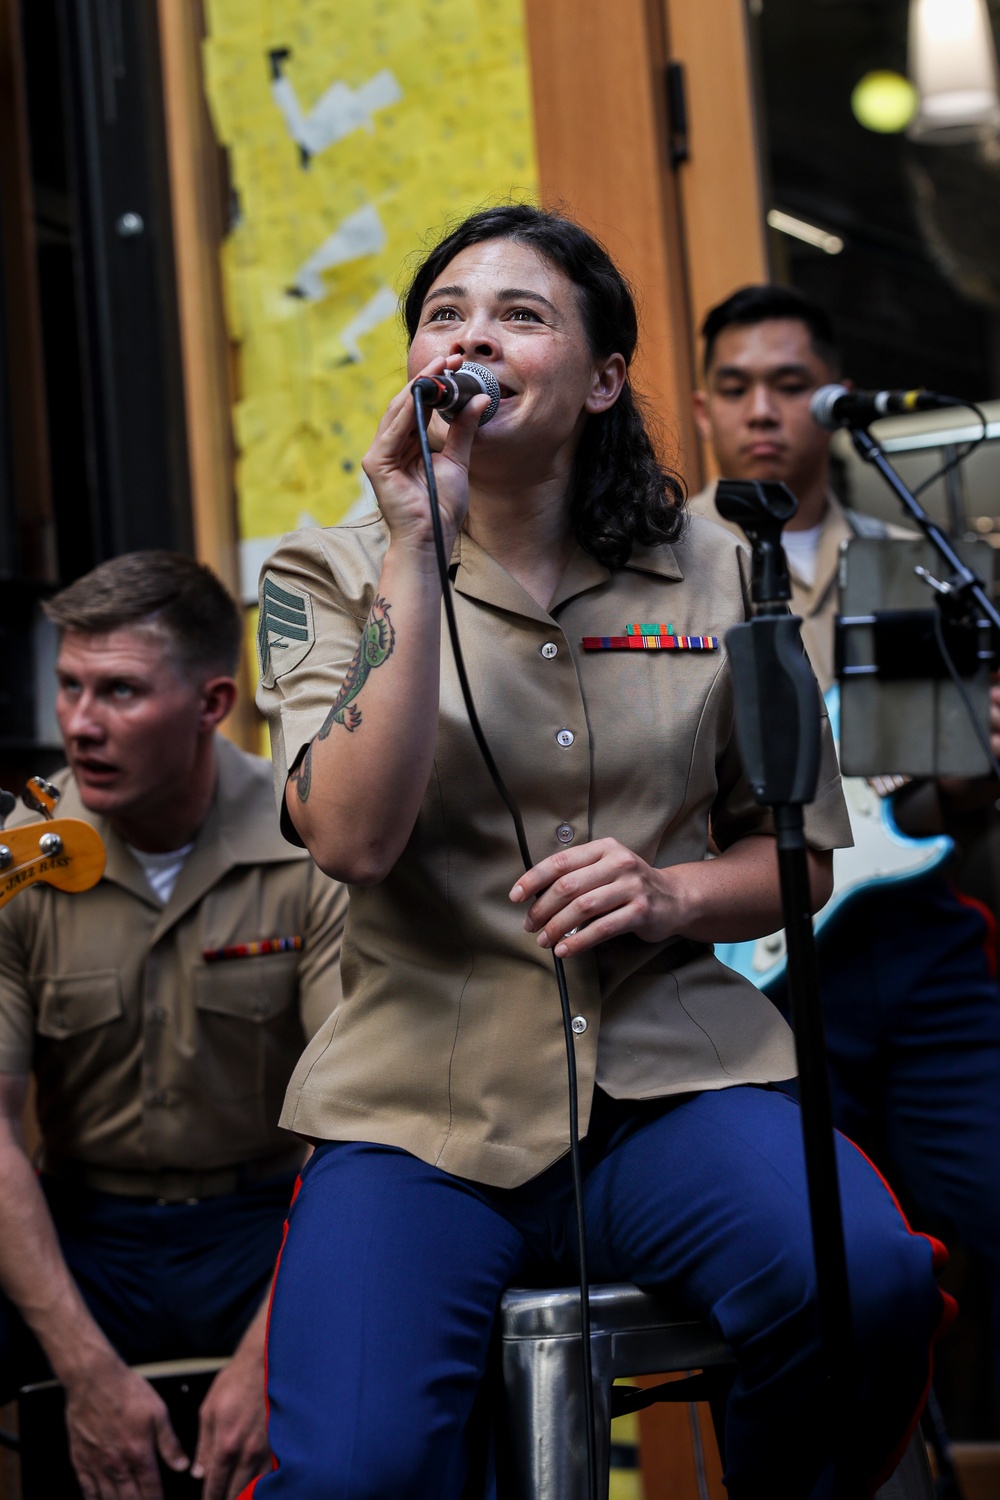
{"points": [[528, 862]]}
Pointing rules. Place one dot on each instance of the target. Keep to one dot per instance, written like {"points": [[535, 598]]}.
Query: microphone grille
{"points": [[822, 405], [489, 383]]}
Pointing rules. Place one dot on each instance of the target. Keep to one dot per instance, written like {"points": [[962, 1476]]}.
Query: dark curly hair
{"points": [[620, 493]]}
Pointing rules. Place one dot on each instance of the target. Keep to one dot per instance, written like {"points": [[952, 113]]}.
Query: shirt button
{"points": [[159, 1098], [565, 737], [549, 650], [158, 1015], [565, 833], [579, 1024]]}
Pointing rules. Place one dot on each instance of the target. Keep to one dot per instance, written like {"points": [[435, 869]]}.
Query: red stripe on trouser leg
{"points": [[990, 939], [247, 1494], [949, 1312]]}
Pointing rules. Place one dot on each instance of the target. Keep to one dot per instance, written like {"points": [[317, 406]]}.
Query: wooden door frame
{"points": [[686, 235], [597, 75]]}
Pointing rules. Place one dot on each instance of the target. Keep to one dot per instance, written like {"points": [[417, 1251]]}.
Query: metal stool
{"points": [[632, 1333]]}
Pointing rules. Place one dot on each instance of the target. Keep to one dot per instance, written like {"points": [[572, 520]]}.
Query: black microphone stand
{"points": [[966, 584], [778, 725]]}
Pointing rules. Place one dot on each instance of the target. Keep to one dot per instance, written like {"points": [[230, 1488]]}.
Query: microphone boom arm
{"points": [[966, 582]]}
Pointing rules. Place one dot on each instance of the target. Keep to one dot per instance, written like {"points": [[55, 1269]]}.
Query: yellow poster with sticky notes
{"points": [[354, 134]]}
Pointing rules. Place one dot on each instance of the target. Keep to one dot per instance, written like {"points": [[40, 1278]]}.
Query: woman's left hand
{"points": [[603, 890]]}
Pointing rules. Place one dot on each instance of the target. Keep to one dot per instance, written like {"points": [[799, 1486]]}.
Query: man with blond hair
{"points": [[161, 1013]]}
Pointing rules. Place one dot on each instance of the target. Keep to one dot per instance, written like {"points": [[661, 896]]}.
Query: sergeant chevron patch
{"points": [[285, 630]]}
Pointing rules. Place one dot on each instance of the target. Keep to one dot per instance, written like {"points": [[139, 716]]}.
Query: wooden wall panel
{"points": [[197, 239], [600, 137], [667, 1451], [196, 207], [720, 184]]}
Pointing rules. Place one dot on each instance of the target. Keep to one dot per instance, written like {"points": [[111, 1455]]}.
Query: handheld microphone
{"points": [[452, 390], [835, 406]]}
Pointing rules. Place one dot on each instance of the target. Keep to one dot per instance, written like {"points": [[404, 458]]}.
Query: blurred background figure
{"points": [[908, 970], [160, 1014]]}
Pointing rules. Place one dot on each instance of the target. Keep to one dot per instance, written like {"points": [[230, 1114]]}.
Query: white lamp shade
{"points": [[953, 64]]}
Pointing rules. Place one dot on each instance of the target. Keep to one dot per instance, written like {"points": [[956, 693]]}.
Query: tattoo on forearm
{"points": [[301, 777], [374, 647]]}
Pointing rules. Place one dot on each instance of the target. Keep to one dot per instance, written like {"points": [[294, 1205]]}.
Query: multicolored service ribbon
{"points": [[650, 642], [259, 949]]}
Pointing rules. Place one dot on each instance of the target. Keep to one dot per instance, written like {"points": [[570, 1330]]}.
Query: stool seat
{"points": [[632, 1333], [641, 1326]]}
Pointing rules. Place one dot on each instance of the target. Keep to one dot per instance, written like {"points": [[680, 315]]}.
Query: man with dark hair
{"points": [[753, 305], [911, 1007], [767, 349], [161, 1013]]}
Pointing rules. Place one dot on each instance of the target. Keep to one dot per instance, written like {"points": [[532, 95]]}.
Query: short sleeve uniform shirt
{"points": [[162, 1036], [448, 1041]]}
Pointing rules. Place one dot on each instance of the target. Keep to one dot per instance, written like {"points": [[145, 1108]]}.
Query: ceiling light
{"points": [[799, 229], [885, 102], [953, 64]]}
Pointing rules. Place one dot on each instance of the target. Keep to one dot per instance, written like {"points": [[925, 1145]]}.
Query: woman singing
{"points": [[436, 1092]]}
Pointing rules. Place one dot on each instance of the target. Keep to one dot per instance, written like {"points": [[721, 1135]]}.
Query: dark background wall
{"points": [[97, 193], [915, 290]]}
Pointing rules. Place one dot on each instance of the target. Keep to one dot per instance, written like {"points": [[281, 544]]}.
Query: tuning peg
{"points": [[40, 796], [8, 802]]}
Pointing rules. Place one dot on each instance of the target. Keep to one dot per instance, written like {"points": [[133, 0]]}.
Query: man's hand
{"points": [[232, 1426], [115, 1421], [117, 1424]]}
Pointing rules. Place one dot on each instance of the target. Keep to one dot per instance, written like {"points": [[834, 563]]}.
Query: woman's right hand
{"points": [[395, 468]]}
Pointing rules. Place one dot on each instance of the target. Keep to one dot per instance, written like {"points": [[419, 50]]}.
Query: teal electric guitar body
{"points": [[881, 855]]}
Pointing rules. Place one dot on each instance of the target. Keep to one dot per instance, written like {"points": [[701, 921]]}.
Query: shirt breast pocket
{"points": [[251, 1032], [70, 1004]]}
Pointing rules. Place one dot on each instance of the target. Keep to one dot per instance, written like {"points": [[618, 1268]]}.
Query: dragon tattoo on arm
{"points": [[374, 647]]}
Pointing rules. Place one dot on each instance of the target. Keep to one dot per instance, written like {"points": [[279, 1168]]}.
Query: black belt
{"points": [[166, 1185]]}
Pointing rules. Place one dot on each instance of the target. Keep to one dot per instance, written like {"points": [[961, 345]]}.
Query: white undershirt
{"points": [[162, 870], [801, 548]]}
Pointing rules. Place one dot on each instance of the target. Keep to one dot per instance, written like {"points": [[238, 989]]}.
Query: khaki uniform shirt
{"points": [[147, 1057], [449, 1040], [818, 602]]}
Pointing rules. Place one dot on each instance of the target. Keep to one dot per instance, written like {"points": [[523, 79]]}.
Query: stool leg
{"points": [[545, 1420]]}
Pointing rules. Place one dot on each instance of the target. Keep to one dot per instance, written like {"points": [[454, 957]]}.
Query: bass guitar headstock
{"points": [[63, 852]]}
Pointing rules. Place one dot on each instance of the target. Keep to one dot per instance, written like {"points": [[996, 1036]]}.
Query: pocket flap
{"points": [[72, 1003], [248, 989]]}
